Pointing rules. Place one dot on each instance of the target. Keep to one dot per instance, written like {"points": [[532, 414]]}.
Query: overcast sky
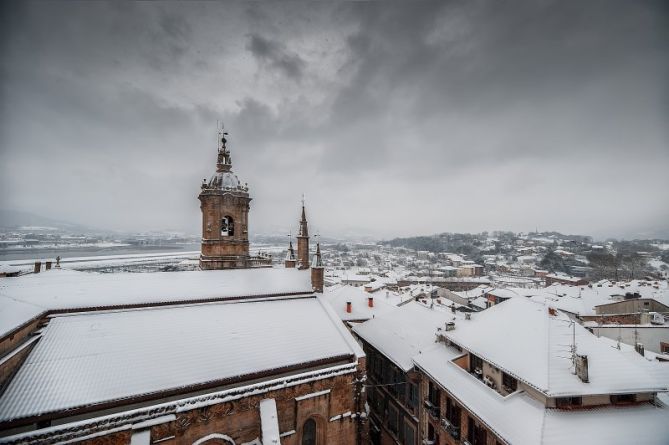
{"points": [[393, 118]]}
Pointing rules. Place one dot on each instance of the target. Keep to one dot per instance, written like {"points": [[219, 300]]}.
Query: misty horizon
{"points": [[393, 119]]}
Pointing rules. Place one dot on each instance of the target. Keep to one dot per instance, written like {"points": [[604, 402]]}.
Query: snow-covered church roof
{"points": [[25, 297], [96, 358]]}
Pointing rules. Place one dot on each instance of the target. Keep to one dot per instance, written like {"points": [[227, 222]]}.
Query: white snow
{"points": [[141, 437], [313, 394], [25, 297], [521, 420], [55, 433], [520, 337], [269, 422], [404, 332], [90, 358], [339, 295]]}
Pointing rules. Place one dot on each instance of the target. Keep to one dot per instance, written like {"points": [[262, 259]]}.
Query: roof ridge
{"points": [[548, 350]]}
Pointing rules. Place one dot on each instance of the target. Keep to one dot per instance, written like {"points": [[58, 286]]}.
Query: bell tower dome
{"points": [[224, 202]]}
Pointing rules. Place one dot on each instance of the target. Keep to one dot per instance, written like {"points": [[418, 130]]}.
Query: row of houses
{"points": [[520, 372]]}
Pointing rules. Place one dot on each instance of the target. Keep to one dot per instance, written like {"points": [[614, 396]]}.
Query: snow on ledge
{"points": [[312, 395]]}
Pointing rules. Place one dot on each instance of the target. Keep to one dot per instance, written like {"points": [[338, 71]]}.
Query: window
{"points": [[409, 434], [476, 435], [621, 399], [370, 397], [392, 419], [433, 394], [227, 226], [476, 365], [309, 432], [379, 403], [453, 413], [431, 433], [375, 365], [412, 396], [568, 402], [510, 384], [664, 347]]}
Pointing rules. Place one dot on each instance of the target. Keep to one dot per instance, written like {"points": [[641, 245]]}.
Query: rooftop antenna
{"points": [[572, 347]]}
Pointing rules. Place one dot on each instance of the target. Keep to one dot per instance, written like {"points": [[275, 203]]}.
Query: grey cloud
{"points": [[469, 115], [275, 55]]}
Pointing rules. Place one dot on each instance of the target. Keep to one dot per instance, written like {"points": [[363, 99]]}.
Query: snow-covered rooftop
{"points": [[339, 295], [404, 332], [521, 337], [582, 300], [91, 358], [24, 297], [521, 420]]}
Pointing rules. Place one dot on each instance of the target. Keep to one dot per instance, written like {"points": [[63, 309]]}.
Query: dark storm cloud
{"points": [[274, 55], [539, 70], [465, 115]]}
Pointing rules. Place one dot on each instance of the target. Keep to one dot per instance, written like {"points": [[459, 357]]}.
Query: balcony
{"points": [[452, 430], [432, 409]]}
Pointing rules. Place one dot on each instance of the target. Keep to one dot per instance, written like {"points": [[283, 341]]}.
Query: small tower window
{"points": [[227, 226], [309, 432]]}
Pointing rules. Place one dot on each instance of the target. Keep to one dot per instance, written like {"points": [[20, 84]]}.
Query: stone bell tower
{"points": [[224, 202]]}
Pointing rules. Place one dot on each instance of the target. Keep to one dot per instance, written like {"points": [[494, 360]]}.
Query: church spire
{"points": [[304, 229], [318, 271], [290, 260], [318, 261], [303, 241]]}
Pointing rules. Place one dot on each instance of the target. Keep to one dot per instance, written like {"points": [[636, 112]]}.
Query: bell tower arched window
{"points": [[309, 432], [227, 226]]}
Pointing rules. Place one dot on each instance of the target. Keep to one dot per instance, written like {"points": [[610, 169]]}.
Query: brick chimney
{"points": [[38, 267], [370, 301], [581, 364], [349, 307]]}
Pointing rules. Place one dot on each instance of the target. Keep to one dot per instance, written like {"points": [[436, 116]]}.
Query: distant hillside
{"points": [[463, 243], [13, 219]]}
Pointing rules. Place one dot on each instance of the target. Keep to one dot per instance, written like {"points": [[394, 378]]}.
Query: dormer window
{"points": [[568, 402], [227, 226], [622, 399], [509, 383]]}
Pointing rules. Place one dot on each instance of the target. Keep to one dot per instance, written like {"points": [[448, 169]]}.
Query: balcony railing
{"points": [[432, 409], [452, 430]]}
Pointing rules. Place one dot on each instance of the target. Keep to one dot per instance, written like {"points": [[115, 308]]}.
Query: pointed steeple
{"points": [[318, 271], [304, 229], [318, 262], [290, 260], [290, 255], [303, 241]]}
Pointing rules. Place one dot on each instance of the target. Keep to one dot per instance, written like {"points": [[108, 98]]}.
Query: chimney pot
{"points": [[349, 307], [38, 267], [370, 301]]}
